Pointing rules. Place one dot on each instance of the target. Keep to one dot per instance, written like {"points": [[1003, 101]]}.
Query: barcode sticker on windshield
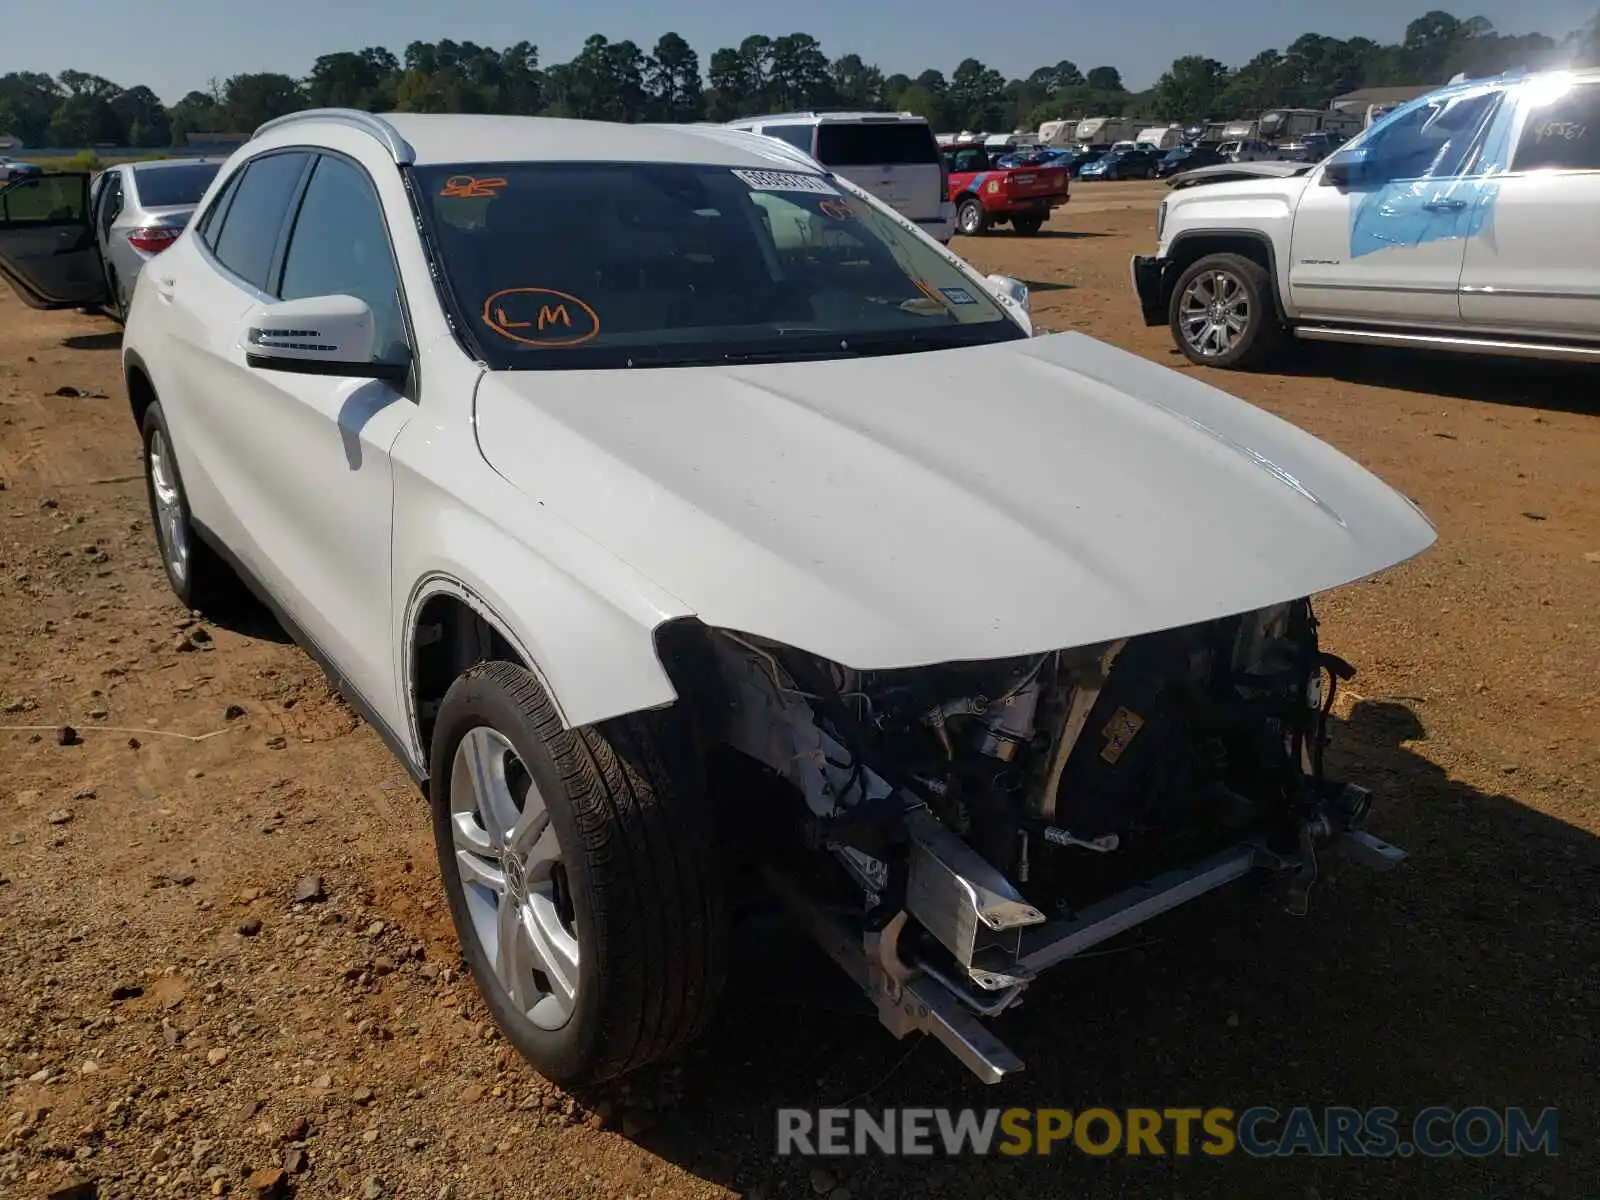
{"points": [[787, 181]]}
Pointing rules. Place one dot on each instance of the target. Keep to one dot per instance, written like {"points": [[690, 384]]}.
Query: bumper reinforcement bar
{"points": [[910, 999]]}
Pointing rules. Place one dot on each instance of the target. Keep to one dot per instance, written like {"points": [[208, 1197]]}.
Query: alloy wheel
{"points": [[172, 525], [516, 886], [1214, 313]]}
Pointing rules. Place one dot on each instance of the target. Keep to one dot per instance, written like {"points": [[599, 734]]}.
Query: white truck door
{"points": [[1387, 246], [1535, 269]]}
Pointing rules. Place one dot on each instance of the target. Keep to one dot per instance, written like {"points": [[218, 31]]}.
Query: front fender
{"points": [[582, 620], [595, 659]]}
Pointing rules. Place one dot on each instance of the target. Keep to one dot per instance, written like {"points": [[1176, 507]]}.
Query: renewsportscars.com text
{"points": [[1258, 1132]]}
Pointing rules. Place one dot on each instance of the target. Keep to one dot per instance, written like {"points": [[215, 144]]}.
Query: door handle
{"points": [[1445, 205]]}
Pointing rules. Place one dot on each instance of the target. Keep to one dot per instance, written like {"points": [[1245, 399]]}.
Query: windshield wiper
{"points": [[775, 354]]}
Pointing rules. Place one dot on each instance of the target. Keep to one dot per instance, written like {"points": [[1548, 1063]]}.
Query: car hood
{"points": [[958, 504], [1223, 173]]}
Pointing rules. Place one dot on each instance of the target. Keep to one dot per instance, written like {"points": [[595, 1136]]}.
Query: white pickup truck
{"points": [[1466, 220]]}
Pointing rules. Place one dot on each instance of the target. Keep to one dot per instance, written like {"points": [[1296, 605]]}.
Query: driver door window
{"points": [[1439, 140], [340, 246], [47, 245], [45, 200]]}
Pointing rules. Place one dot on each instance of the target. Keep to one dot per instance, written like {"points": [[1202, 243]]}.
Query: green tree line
{"points": [[620, 81]]}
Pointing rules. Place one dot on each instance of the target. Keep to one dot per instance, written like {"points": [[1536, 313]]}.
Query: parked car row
{"points": [[1132, 161]]}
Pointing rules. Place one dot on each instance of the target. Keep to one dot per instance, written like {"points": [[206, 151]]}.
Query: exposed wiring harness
{"points": [[817, 702]]}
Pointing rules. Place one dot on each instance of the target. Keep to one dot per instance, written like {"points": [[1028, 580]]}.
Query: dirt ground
{"points": [[171, 1022]]}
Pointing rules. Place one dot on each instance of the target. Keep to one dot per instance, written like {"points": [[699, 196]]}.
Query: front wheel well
{"points": [[141, 393], [1189, 250], [449, 638]]}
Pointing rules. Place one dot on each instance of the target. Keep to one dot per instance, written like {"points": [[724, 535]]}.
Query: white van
{"points": [[892, 155]]}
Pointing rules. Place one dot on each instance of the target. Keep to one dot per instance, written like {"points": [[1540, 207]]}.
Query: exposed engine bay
{"points": [[957, 828]]}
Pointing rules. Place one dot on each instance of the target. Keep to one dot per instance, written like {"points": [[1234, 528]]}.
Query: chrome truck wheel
{"points": [[1223, 312]]}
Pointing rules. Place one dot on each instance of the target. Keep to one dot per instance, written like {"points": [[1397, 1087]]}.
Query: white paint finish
{"points": [[1399, 283], [184, 322], [307, 471], [963, 504], [1539, 252], [1264, 206], [584, 617], [331, 329], [444, 138], [883, 512]]}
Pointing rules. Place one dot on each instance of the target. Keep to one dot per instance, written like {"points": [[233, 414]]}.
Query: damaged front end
{"points": [[948, 832]]}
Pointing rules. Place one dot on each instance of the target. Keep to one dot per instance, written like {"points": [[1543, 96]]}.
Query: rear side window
{"points": [[798, 136], [340, 246], [1563, 134], [256, 216], [160, 187], [211, 220], [870, 144]]}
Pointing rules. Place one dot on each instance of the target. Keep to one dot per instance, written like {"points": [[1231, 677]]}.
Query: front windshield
{"points": [[601, 264]]}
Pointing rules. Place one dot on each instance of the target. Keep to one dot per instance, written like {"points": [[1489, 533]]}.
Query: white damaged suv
{"points": [[695, 528]]}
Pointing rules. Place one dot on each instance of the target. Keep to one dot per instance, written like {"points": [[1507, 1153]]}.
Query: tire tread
{"points": [[1262, 340], [655, 899]]}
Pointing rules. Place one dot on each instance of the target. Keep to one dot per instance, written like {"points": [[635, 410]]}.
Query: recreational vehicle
{"points": [[1160, 137], [1097, 130]]}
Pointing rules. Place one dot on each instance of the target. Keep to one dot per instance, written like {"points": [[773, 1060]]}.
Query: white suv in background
{"points": [[1466, 220], [892, 155]]}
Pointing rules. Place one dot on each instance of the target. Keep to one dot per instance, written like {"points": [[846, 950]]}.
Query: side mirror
{"points": [[1010, 289], [1344, 167], [319, 335]]}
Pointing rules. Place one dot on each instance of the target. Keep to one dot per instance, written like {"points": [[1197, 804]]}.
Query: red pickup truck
{"points": [[986, 195]]}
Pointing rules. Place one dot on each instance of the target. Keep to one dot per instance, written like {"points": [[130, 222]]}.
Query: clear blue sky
{"points": [[173, 46]]}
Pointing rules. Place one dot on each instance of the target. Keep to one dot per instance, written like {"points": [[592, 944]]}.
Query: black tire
{"points": [[1262, 331], [1027, 226], [642, 894], [971, 218], [204, 581]]}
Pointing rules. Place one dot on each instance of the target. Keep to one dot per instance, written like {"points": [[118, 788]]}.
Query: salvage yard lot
{"points": [[170, 1021]]}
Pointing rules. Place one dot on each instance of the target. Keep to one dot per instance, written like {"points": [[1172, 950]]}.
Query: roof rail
{"points": [[399, 149]]}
